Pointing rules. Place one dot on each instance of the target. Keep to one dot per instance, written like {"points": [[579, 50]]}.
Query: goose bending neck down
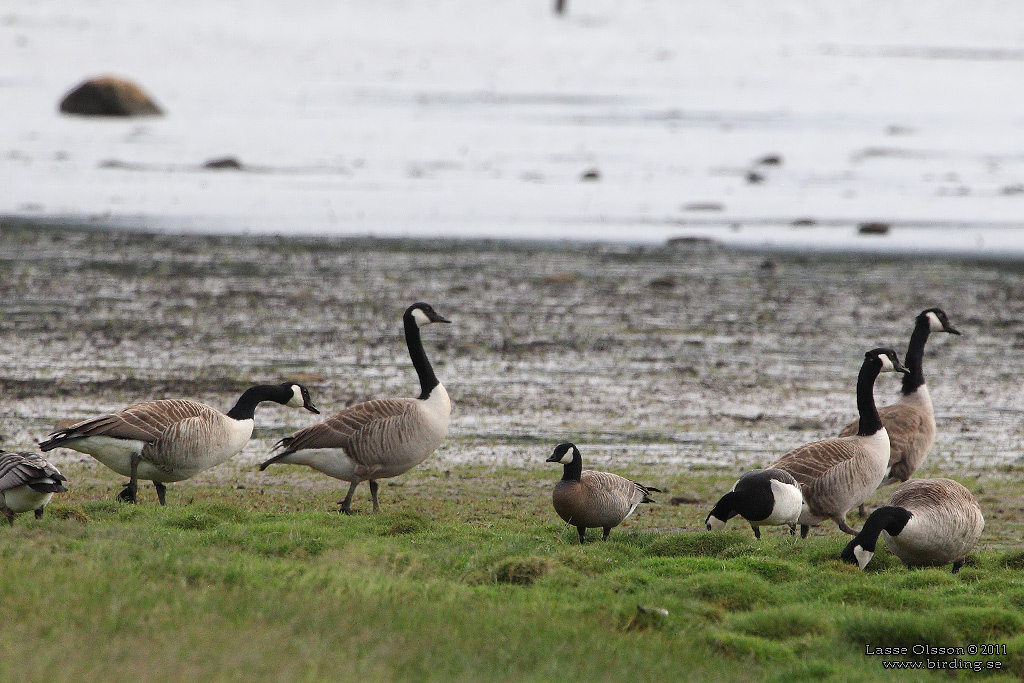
{"points": [[27, 482], [380, 438], [769, 497], [928, 522], [172, 439], [838, 474], [592, 499]]}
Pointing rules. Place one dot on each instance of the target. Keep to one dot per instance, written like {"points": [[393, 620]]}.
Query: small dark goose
{"points": [[592, 499], [27, 482], [762, 497], [927, 523], [910, 421], [841, 473], [381, 438], [172, 439]]}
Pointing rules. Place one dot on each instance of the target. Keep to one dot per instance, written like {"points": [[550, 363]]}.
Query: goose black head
{"points": [[561, 450], [938, 321], [300, 397], [424, 314], [888, 358]]}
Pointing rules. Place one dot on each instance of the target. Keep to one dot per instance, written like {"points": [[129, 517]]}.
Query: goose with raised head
{"points": [[27, 482], [927, 523], [381, 438], [910, 421], [770, 497], [172, 439], [591, 499], [840, 473]]}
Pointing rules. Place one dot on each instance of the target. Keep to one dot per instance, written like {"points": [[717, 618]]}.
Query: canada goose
{"points": [[763, 498], [27, 482], [380, 438], [593, 499], [928, 522], [840, 473], [910, 421], [172, 439]]}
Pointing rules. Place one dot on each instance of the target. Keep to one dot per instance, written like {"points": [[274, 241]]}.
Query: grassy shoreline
{"points": [[680, 366]]}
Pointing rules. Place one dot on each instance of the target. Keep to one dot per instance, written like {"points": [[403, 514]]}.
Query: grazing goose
{"points": [[928, 522], [910, 421], [763, 498], [840, 473], [172, 439], [381, 438], [27, 482], [593, 499]]}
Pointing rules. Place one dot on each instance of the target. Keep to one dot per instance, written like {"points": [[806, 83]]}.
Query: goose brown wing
{"points": [[810, 462], [348, 427], [140, 422], [933, 493], [18, 469], [613, 489]]}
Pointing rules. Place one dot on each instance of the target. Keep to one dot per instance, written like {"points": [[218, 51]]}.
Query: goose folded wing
{"points": [[140, 422], [356, 429], [18, 469], [811, 461]]}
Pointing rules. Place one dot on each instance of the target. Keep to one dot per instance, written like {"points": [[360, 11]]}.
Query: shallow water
{"points": [[482, 119]]}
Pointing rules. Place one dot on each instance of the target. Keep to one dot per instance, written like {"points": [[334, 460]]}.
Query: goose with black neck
{"points": [[171, 440], [381, 438], [910, 421], [841, 473]]}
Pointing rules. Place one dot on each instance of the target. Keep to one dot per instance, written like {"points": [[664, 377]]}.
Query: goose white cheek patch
{"points": [[296, 400], [715, 524], [863, 556], [420, 317], [933, 322], [887, 365]]}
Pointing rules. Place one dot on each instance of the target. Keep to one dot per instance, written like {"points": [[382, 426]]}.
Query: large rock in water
{"points": [[109, 96]]}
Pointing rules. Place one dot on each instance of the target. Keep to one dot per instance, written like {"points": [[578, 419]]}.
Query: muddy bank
{"points": [[670, 357]]}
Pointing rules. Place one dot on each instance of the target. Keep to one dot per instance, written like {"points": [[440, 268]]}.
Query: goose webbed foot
{"points": [[346, 505], [804, 530], [582, 531], [792, 529], [161, 492], [39, 513], [129, 493], [957, 564], [607, 530], [7, 513], [757, 532]]}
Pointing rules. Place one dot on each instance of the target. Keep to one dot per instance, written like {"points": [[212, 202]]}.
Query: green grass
{"points": [[468, 577]]}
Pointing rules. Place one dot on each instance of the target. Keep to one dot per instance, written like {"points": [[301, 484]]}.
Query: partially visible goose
{"points": [[762, 497], [928, 522], [381, 438], [593, 499], [27, 482], [172, 439], [910, 421], [839, 474]]}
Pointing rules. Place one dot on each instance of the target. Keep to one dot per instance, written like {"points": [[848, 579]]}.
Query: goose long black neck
{"points": [[746, 504], [573, 470], [915, 356], [888, 518], [245, 406], [870, 423], [428, 380]]}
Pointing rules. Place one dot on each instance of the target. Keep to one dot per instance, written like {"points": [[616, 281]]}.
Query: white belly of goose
{"points": [[23, 498], [789, 503]]}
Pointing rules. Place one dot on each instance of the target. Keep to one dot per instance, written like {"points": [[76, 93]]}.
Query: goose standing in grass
{"points": [[380, 438], [928, 522], [910, 421], [593, 499], [27, 482], [840, 473], [172, 439], [762, 497]]}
